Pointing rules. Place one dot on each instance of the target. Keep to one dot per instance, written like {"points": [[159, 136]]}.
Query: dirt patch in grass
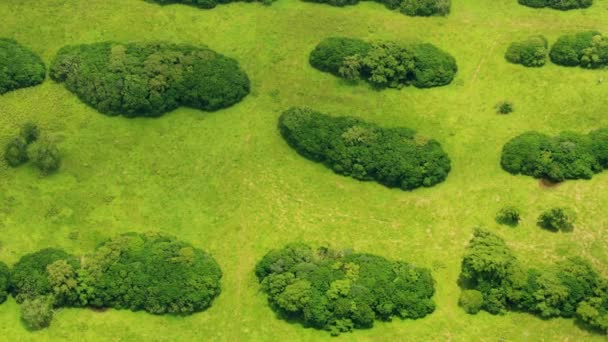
{"points": [[548, 184]]}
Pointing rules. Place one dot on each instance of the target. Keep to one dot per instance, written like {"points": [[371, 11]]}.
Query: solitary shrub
{"points": [[566, 156], [531, 52], [19, 66], [395, 157], [504, 108], [45, 157], [508, 216], [5, 278], [149, 79], [30, 132], [15, 152], [587, 49], [471, 301], [423, 8], [206, 4], [557, 4], [37, 313], [557, 219], [385, 64], [340, 291]]}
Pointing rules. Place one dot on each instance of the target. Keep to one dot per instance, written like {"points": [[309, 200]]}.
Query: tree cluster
{"points": [[385, 64], [149, 79], [423, 8], [565, 156], [493, 280], [206, 4], [530, 52], [556, 219], [587, 49], [557, 4], [150, 271], [26, 147], [340, 290], [395, 157], [19, 66], [5, 281]]}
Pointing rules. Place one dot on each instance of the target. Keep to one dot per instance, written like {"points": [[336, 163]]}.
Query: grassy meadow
{"points": [[227, 182]]}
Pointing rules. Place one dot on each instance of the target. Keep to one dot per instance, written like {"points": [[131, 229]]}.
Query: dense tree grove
{"points": [[149, 271], [385, 64], [424, 8], [531, 52], [566, 156], [149, 79], [557, 4], [587, 49], [19, 66], [206, 4], [569, 288], [395, 157], [339, 290]]}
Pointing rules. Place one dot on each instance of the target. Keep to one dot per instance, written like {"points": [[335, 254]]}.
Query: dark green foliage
{"points": [[395, 157], [557, 4], [339, 291], [5, 281], [471, 301], [504, 108], [570, 288], [423, 8], [206, 4], [587, 49], [385, 64], [556, 219], [30, 132], [15, 152], [508, 216], [29, 276], [151, 272], [45, 157], [19, 66], [566, 156], [531, 52], [149, 79], [37, 313]]}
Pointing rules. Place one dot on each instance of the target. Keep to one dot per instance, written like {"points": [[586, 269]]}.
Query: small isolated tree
{"points": [[557, 219], [45, 156], [471, 301], [508, 216], [15, 152], [37, 313], [504, 107], [30, 132]]}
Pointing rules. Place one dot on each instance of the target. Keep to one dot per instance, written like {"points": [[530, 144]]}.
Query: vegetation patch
{"points": [[557, 219], [587, 49], [566, 156], [151, 272], [149, 79], [206, 4], [530, 52], [493, 280], [557, 4], [19, 66], [340, 290], [395, 157], [423, 8], [385, 64]]}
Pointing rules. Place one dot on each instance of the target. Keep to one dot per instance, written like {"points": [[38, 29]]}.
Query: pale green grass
{"points": [[228, 183]]}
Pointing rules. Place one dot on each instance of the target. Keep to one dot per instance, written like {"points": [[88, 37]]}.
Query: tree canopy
{"points": [[19, 66]]}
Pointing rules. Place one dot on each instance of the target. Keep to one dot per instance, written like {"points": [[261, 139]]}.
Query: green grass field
{"points": [[228, 183]]}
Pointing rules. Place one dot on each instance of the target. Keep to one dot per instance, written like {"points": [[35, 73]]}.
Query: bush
{"points": [[531, 52], [206, 4], [45, 157], [30, 132], [508, 216], [15, 152], [37, 313], [557, 4], [19, 66], [587, 49], [385, 64], [339, 291], [471, 301], [556, 219], [5, 281], [566, 156], [424, 8], [149, 79], [395, 157], [504, 108]]}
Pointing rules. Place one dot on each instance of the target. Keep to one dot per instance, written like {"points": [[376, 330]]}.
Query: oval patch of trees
{"points": [[395, 157], [149, 79], [563, 5], [19, 66]]}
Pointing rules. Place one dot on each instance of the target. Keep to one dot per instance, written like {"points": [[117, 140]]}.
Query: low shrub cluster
{"points": [[587, 49], [508, 216], [151, 272], [531, 52], [395, 157], [25, 147], [149, 79], [19, 66], [493, 280], [566, 156], [206, 4], [557, 4], [556, 219], [504, 107], [339, 290], [424, 8], [385, 64]]}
